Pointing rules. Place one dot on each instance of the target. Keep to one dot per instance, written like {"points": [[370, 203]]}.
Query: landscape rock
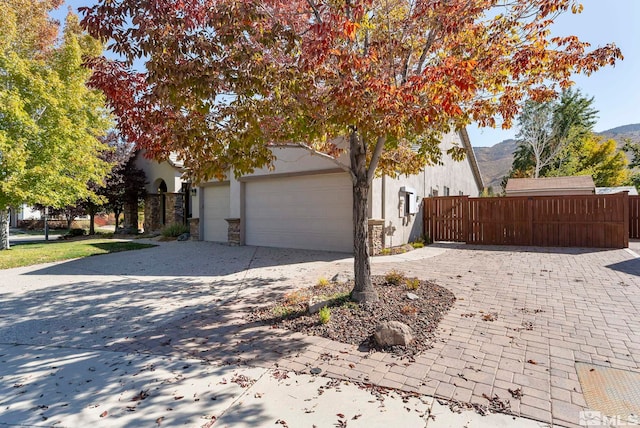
{"points": [[314, 308], [342, 277], [412, 296], [183, 237], [389, 333]]}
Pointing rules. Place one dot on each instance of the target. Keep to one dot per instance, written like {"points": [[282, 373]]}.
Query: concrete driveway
{"points": [[177, 302]]}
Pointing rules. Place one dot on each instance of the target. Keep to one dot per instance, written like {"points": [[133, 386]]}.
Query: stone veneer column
{"points": [[194, 228], [152, 214], [233, 236], [130, 222], [376, 236]]}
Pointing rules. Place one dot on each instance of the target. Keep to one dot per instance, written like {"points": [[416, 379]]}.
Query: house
{"points": [[23, 212], [551, 186], [304, 202]]}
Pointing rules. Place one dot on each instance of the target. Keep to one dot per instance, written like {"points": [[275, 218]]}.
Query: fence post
{"points": [[530, 215], [625, 204], [465, 218], [426, 227]]}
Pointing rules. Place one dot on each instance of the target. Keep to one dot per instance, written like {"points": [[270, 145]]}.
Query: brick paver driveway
{"points": [[546, 310]]}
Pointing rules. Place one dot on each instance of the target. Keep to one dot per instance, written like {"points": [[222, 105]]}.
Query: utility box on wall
{"points": [[410, 201]]}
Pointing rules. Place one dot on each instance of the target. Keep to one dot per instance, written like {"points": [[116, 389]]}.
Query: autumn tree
{"points": [[125, 184], [49, 119], [227, 80]]}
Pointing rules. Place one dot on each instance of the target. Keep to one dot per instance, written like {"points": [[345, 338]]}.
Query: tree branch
{"points": [[423, 56], [316, 12], [375, 158]]}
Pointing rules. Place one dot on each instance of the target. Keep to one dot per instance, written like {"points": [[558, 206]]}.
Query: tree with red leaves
{"points": [[227, 80]]}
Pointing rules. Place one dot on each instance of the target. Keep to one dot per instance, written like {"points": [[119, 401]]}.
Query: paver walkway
{"points": [[523, 317]]}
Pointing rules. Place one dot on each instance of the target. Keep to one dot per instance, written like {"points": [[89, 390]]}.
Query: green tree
{"points": [[49, 119], [594, 156]]}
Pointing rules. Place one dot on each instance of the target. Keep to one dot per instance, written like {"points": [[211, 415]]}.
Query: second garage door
{"points": [[307, 212], [216, 209]]}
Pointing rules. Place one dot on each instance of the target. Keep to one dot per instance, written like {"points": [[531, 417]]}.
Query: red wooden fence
{"points": [[602, 221], [634, 217]]}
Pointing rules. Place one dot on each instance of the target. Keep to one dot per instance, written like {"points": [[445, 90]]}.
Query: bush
{"points": [[413, 283], [174, 230], [417, 244], [394, 277], [75, 232], [324, 315], [323, 282]]}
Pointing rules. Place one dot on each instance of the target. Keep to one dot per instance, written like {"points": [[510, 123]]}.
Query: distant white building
{"points": [[23, 212]]}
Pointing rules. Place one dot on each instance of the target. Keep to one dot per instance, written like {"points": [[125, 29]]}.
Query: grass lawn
{"points": [[43, 252]]}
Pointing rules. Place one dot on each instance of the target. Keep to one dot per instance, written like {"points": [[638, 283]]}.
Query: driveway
{"points": [[546, 310]]}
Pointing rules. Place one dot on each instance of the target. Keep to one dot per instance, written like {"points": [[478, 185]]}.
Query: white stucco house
{"points": [[305, 201], [23, 212]]}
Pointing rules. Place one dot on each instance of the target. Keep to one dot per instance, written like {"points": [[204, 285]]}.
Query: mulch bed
{"points": [[355, 323]]}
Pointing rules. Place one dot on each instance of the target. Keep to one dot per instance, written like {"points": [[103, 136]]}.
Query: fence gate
{"points": [[601, 221]]}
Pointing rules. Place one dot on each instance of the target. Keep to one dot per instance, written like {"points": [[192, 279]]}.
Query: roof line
{"points": [[466, 142]]}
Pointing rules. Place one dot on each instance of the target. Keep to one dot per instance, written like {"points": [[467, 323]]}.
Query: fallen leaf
{"points": [[159, 420], [340, 415], [532, 362], [140, 396], [179, 397], [104, 414]]}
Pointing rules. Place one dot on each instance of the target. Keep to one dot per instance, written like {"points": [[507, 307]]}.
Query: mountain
{"points": [[495, 161]]}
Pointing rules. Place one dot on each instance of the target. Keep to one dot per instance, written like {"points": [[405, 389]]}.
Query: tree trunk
{"points": [[92, 218], [4, 229], [116, 213], [363, 290]]}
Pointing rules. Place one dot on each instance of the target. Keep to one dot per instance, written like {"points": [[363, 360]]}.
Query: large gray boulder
{"points": [[390, 333]]}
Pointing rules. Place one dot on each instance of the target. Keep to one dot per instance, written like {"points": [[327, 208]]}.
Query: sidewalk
{"points": [[46, 386]]}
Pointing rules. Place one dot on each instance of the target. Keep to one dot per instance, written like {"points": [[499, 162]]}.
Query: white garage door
{"points": [[216, 209], [307, 212]]}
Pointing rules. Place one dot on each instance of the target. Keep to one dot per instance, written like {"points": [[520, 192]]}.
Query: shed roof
{"points": [[582, 182]]}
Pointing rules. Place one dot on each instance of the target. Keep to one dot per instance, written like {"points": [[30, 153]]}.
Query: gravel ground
{"points": [[355, 323]]}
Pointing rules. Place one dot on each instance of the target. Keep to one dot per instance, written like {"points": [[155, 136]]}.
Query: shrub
{"points": [[294, 298], [75, 232], [408, 310], [174, 230], [394, 277], [324, 315], [385, 251], [417, 244], [413, 283], [323, 282]]}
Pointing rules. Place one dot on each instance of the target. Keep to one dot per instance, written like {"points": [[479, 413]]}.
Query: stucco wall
{"points": [[457, 176], [154, 171]]}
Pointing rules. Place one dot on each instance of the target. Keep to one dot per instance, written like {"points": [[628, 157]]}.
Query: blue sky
{"points": [[616, 90]]}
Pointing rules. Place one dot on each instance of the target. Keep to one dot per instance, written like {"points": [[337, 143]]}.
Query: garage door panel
{"points": [[216, 210], [309, 212]]}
